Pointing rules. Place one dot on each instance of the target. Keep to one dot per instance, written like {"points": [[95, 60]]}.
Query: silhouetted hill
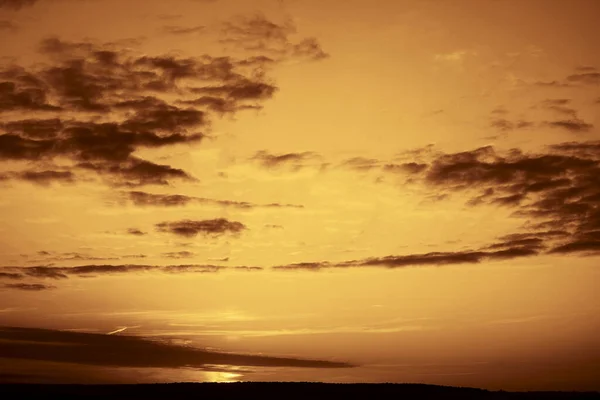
{"points": [[278, 391]]}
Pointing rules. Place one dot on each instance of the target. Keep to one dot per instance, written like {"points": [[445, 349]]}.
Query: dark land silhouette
{"points": [[273, 390]]}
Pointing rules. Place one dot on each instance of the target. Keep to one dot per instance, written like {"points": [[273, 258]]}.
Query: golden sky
{"points": [[339, 191]]}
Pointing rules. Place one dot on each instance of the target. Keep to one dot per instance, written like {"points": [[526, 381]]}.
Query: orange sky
{"points": [[357, 191]]}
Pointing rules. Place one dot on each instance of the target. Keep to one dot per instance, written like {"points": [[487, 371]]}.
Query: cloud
{"points": [[257, 34], [46, 177], [211, 227], [506, 125], [555, 84], [572, 125], [135, 172], [6, 25], [559, 106], [291, 160], [135, 232], [10, 275], [588, 246], [586, 75], [505, 252], [144, 199], [42, 178], [61, 273], [410, 167], [96, 105], [454, 57], [557, 190], [29, 287], [179, 254], [16, 4], [586, 78], [130, 351], [73, 256], [179, 30]]}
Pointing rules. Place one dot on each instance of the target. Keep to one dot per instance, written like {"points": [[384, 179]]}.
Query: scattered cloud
{"points": [[96, 105], [556, 191]]}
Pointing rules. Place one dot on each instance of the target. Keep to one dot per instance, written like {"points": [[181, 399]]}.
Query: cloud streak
{"points": [[145, 199], [130, 351], [211, 227]]}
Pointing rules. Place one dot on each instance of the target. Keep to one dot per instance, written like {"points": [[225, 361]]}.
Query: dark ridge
{"points": [[273, 390]]}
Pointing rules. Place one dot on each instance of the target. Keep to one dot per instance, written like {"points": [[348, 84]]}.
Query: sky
{"points": [[300, 190]]}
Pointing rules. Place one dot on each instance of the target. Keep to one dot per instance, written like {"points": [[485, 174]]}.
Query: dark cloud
{"points": [[555, 102], [136, 232], [134, 256], [560, 106], [180, 30], [135, 172], [501, 252], [588, 246], [557, 192], [355, 163], [212, 227], [197, 269], [555, 84], [294, 160], [43, 178], [20, 90], [572, 125], [10, 275], [129, 351], [34, 128], [533, 243], [46, 177], [586, 68], [29, 287], [506, 125], [411, 167], [243, 90], [16, 4], [499, 111], [179, 254], [586, 75], [586, 78], [148, 199], [101, 103], [73, 256], [144, 199], [61, 273]]}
